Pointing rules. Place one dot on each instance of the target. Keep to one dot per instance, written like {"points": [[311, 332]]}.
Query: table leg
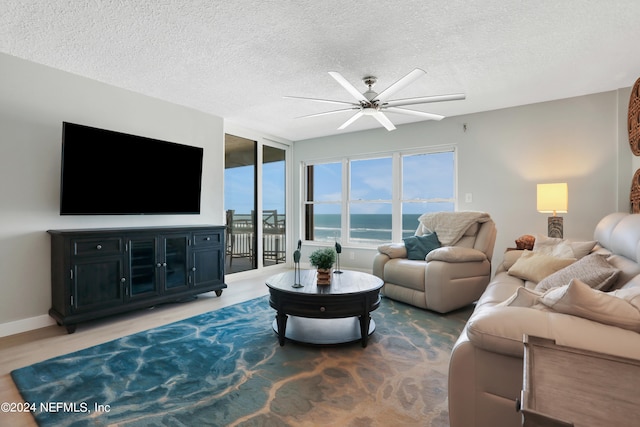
{"points": [[282, 326], [365, 320]]}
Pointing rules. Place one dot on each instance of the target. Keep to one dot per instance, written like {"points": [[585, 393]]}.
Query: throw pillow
{"points": [[620, 308], [535, 266], [523, 297], [553, 246], [594, 270], [562, 248], [419, 246], [582, 249], [546, 245]]}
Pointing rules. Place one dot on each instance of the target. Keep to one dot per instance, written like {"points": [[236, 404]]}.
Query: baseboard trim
{"points": [[25, 325]]}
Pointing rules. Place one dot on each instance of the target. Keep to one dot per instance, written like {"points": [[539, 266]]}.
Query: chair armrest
{"points": [[393, 250], [456, 254]]}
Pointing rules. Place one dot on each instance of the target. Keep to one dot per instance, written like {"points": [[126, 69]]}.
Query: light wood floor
{"points": [[35, 346]]}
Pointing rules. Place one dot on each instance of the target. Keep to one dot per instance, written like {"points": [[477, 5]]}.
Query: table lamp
{"points": [[553, 198]]}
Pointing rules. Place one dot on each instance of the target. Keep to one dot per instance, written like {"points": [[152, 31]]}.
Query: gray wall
{"points": [[34, 101], [503, 154]]}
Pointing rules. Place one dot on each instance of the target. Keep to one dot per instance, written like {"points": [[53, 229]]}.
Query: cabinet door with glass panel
{"points": [[143, 275], [158, 265]]}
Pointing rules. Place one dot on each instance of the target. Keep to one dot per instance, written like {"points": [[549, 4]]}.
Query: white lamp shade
{"points": [[553, 198]]}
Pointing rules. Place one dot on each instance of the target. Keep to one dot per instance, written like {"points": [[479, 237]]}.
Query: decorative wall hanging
{"points": [[634, 119], [635, 193]]}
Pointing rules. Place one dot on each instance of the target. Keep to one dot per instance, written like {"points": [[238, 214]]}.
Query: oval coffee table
{"points": [[324, 314]]}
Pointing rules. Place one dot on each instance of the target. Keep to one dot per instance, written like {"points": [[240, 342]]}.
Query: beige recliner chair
{"points": [[451, 276]]}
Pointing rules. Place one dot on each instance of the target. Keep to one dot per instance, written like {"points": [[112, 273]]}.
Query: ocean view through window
{"points": [[358, 201]]}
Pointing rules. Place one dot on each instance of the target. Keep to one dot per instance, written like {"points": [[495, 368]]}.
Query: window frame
{"points": [[397, 198]]}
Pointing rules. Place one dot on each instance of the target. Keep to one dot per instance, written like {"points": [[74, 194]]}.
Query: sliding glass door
{"points": [[255, 181], [240, 201], [274, 214]]}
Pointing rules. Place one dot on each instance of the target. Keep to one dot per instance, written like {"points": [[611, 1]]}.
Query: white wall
{"points": [[34, 101], [503, 155]]}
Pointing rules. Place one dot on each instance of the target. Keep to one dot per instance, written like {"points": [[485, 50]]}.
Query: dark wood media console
{"points": [[101, 272]]}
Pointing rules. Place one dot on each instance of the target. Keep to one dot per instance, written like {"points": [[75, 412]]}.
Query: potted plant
{"points": [[322, 260]]}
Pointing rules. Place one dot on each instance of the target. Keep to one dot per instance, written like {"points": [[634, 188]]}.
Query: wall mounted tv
{"points": [[112, 173]]}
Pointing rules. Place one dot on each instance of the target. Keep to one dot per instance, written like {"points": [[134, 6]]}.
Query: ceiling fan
{"points": [[373, 104]]}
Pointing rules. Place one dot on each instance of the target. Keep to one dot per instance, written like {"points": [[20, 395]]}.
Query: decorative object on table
{"points": [[634, 119], [526, 241], [553, 198], [338, 252], [296, 266], [322, 260]]}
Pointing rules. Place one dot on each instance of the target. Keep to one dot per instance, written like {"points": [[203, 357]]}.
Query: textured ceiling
{"points": [[237, 58]]}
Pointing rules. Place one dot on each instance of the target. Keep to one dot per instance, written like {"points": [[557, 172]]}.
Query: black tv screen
{"points": [[112, 173]]}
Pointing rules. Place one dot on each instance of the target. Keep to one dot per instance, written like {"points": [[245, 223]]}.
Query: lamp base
{"points": [[554, 226]]}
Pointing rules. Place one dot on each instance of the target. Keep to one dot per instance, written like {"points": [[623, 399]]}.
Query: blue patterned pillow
{"points": [[419, 246]]}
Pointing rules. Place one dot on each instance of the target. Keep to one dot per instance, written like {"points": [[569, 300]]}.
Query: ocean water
{"points": [[364, 227]]}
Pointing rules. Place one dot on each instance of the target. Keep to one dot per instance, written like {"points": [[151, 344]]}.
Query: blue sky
{"points": [[239, 188]]}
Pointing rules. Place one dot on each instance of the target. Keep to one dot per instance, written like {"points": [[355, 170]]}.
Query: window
{"points": [[370, 196], [427, 186], [371, 200], [323, 210]]}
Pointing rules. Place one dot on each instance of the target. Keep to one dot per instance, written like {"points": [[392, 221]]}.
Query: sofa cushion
{"points": [[419, 246], [510, 258], [536, 266], [619, 308], [593, 270]]}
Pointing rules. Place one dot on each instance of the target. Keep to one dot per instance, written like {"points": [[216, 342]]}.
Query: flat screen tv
{"points": [[112, 173]]}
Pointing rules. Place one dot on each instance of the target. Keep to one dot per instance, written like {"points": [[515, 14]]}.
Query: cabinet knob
{"points": [[124, 279], [164, 264], [207, 238], [99, 247], [159, 264], [322, 309], [193, 269]]}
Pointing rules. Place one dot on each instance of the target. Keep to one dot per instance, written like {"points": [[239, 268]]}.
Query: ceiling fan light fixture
{"points": [[373, 104]]}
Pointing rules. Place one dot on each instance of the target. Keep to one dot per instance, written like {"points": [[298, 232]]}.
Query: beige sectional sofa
{"points": [[485, 373]]}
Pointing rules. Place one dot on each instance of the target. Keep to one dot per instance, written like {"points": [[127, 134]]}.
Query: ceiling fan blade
{"points": [[422, 114], [353, 118], [328, 101], [342, 110], [400, 84], [384, 120], [425, 99], [348, 86]]}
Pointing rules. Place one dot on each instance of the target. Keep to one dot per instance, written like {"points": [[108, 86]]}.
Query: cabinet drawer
{"points": [[97, 247], [207, 239]]}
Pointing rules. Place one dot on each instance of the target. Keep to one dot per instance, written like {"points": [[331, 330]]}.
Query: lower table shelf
{"points": [[324, 331]]}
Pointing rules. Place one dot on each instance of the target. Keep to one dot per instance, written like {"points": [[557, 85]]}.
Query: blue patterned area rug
{"points": [[226, 368]]}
